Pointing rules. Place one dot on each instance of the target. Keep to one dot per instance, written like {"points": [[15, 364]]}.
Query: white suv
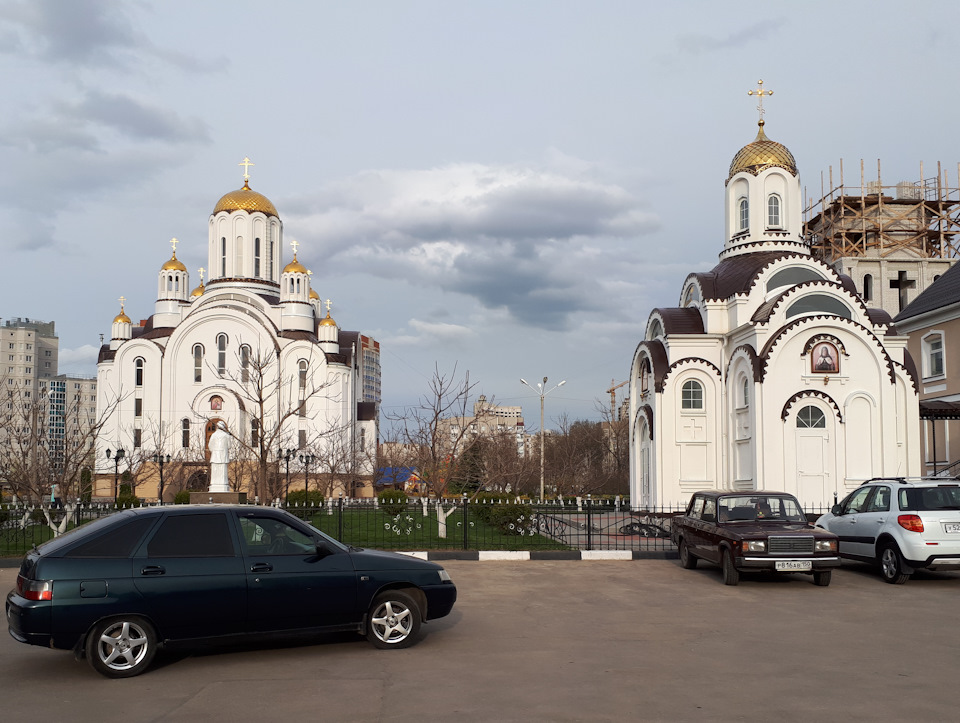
{"points": [[899, 524]]}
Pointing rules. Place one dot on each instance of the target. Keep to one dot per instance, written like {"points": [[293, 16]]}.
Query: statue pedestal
{"points": [[218, 498]]}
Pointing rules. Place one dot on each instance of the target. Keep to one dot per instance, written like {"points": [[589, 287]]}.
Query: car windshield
{"points": [[927, 499], [749, 508]]}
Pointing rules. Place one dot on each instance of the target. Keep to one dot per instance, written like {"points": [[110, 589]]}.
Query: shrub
{"points": [[393, 502], [182, 497], [298, 497], [510, 518]]}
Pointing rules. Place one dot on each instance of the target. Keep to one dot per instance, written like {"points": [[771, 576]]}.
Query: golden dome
{"points": [[174, 264], [294, 267], [314, 296], [327, 321], [121, 318], [761, 155], [245, 200], [197, 291]]}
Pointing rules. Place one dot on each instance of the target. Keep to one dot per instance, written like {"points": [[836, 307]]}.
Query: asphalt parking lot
{"points": [[563, 641]]}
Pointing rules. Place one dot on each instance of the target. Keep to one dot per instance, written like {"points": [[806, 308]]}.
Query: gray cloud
{"points": [[700, 43]]}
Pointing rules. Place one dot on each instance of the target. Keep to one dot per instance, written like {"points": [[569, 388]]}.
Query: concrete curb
{"points": [[533, 555]]}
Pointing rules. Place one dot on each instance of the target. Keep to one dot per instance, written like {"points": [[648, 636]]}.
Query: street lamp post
{"points": [[307, 460], [542, 392], [160, 460], [286, 456], [116, 469]]}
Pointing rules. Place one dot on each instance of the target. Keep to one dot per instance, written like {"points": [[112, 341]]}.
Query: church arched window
{"points": [[185, 433], [773, 211], [744, 209], [818, 304], [303, 374], [691, 295], [222, 354], [223, 256], [867, 287], [811, 417], [138, 372], [691, 395], [169, 282], [256, 257], [238, 257], [744, 392], [656, 330], [254, 432], [270, 259], [244, 363], [644, 376], [197, 362]]}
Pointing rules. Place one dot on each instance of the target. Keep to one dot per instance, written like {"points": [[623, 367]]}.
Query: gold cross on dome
{"points": [[122, 300], [760, 92], [201, 271], [246, 168], [174, 242], [294, 244], [328, 304]]}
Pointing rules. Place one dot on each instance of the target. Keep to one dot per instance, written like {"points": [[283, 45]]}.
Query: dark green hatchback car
{"points": [[118, 588]]}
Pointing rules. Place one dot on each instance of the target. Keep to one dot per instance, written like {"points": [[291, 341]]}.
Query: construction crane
{"points": [[612, 391]]}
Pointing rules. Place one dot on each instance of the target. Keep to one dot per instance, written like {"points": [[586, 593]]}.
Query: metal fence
{"points": [[420, 525]]}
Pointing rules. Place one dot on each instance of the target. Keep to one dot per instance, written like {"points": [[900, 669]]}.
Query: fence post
{"points": [[466, 535], [340, 518], [589, 525]]}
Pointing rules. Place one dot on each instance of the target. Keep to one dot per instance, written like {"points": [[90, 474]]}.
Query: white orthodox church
{"points": [[771, 373], [251, 347]]}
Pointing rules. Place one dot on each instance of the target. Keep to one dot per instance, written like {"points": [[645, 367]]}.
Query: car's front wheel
{"points": [[394, 620], [121, 647], [822, 578], [687, 559], [731, 575], [891, 565]]}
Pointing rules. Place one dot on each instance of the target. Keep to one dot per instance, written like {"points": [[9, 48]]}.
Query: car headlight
{"points": [[755, 546], [444, 575], [826, 546]]}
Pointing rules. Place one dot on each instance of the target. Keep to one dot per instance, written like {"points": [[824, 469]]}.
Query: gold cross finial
{"points": [[294, 244], [760, 92], [329, 304], [174, 242], [201, 271], [246, 168], [122, 300]]}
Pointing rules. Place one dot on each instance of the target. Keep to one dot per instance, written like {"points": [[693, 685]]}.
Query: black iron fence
{"points": [[419, 525]]}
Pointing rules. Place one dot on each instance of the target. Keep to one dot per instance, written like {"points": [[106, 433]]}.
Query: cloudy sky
{"points": [[501, 188]]}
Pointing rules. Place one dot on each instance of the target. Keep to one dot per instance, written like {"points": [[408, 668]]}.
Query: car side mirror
{"points": [[836, 510], [323, 549]]}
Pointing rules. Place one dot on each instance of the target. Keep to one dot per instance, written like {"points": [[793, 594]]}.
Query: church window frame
{"points": [[743, 209], [644, 376], [221, 354], [138, 407], [868, 287], [691, 396], [138, 367], [811, 417], [254, 432], [256, 257], [244, 363], [774, 211], [303, 367], [185, 433], [270, 259], [137, 438], [223, 256], [198, 362], [744, 392], [934, 362]]}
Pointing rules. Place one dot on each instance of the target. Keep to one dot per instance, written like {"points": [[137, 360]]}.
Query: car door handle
{"points": [[261, 567], [153, 570]]}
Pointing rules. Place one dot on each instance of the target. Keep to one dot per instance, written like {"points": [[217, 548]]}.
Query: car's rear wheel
{"points": [[394, 620], [687, 559], [891, 565], [121, 647], [822, 578], [731, 575]]}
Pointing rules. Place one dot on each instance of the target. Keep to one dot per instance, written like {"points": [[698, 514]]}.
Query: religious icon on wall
{"points": [[216, 404], [824, 358]]}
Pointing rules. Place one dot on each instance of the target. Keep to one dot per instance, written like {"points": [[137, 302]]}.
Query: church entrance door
{"points": [[812, 473]]}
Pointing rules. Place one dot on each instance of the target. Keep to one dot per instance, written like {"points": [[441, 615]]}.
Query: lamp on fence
{"points": [[286, 456], [116, 468], [542, 392], [160, 460], [307, 460]]}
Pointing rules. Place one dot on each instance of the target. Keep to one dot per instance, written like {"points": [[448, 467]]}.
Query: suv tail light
{"points": [[34, 589], [913, 523]]}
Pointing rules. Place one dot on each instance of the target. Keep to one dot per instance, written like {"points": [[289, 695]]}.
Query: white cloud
{"points": [[82, 360]]}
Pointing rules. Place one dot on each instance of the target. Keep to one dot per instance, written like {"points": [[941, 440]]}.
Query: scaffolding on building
{"points": [[875, 220]]}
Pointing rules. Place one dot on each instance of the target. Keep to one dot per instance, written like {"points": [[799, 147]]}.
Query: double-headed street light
{"points": [[542, 392], [286, 456], [307, 460], [161, 459], [116, 468]]}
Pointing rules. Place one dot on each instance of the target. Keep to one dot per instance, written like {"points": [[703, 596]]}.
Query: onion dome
{"points": [[294, 267], [174, 264], [198, 291], [314, 296], [327, 320], [762, 154], [245, 200], [121, 318]]}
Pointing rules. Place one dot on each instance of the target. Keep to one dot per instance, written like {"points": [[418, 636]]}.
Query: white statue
{"points": [[219, 459]]}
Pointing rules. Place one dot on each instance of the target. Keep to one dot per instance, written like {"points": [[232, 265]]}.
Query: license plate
{"points": [[793, 565], [951, 527]]}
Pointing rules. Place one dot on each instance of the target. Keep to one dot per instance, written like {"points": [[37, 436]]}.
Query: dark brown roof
{"points": [[945, 291], [158, 333], [880, 317], [939, 410], [106, 354], [681, 321], [735, 275], [299, 335]]}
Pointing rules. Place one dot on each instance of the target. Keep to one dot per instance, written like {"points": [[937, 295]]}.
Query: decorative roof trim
{"points": [[817, 338], [647, 411], [756, 363], [807, 394], [692, 360]]}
